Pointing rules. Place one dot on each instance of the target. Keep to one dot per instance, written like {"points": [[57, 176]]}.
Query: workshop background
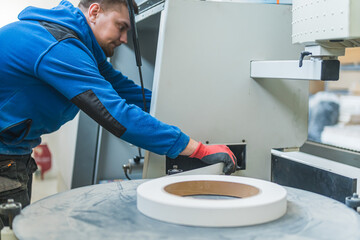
{"points": [[334, 114]]}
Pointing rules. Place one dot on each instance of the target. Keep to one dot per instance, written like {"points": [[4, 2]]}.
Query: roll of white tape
{"points": [[255, 201]]}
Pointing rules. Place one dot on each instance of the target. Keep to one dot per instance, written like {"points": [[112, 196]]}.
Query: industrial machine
{"points": [[198, 68], [226, 72]]}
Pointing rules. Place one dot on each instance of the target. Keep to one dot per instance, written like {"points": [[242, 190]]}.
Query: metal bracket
{"points": [[314, 69]]}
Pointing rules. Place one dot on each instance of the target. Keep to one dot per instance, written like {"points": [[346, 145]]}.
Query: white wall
{"points": [[10, 11]]}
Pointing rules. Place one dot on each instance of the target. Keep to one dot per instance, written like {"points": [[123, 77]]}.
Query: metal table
{"points": [[108, 211]]}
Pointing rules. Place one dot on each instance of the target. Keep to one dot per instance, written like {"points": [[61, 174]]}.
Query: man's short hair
{"points": [[106, 4]]}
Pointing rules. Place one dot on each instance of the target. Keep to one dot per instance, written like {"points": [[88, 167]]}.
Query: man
{"points": [[53, 63]]}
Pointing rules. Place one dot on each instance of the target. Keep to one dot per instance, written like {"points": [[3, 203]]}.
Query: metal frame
{"points": [[336, 154], [149, 8], [325, 70]]}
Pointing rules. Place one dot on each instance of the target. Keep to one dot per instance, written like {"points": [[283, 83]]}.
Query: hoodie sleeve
{"points": [[126, 88], [71, 69]]}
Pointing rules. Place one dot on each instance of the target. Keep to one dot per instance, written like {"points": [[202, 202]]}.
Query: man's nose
{"points": [[123, 37]]}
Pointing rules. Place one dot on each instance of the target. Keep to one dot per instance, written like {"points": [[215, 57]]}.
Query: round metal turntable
{"points": [[108, 211]]}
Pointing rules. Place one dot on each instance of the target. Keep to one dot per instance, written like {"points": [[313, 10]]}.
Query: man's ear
{"points": [[94, 11]]}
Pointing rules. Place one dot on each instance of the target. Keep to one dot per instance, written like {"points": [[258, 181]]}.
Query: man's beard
{"points": [[108, 51]]}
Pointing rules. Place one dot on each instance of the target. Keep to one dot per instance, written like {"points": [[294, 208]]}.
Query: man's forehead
{"points": [[121, 15]]}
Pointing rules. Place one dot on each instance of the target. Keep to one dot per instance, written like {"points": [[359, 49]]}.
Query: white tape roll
{"points": [[256, 201]]}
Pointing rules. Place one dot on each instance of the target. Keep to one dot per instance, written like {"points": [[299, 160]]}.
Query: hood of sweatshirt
{"points": [[67, 15]]}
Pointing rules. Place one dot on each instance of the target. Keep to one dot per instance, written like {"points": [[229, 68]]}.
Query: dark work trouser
{"points": [[16, 180]]}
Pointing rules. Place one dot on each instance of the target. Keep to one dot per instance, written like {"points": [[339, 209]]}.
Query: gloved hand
{"points": [[211, 154]]}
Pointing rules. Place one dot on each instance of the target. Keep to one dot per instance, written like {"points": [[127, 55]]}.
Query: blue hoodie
{"points": [[46, 77]]}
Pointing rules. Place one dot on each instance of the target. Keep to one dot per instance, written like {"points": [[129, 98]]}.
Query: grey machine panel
{"points": [[286, 172], [202, 80]]}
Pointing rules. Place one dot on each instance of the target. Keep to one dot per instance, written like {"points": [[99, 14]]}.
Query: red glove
{"points": [[212, 154]]}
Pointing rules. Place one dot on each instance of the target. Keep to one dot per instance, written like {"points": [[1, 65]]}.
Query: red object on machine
{"points": [[42, 158]]}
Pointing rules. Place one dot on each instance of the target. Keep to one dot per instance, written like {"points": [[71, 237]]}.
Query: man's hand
{"points": [[211, 154]]}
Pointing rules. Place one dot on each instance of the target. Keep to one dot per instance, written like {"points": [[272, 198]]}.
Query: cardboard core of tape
{"points": [[220, 188]]}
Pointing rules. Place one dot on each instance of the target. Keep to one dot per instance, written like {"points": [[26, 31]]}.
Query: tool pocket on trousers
{"points": [[15, 133], [8, 177]]}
